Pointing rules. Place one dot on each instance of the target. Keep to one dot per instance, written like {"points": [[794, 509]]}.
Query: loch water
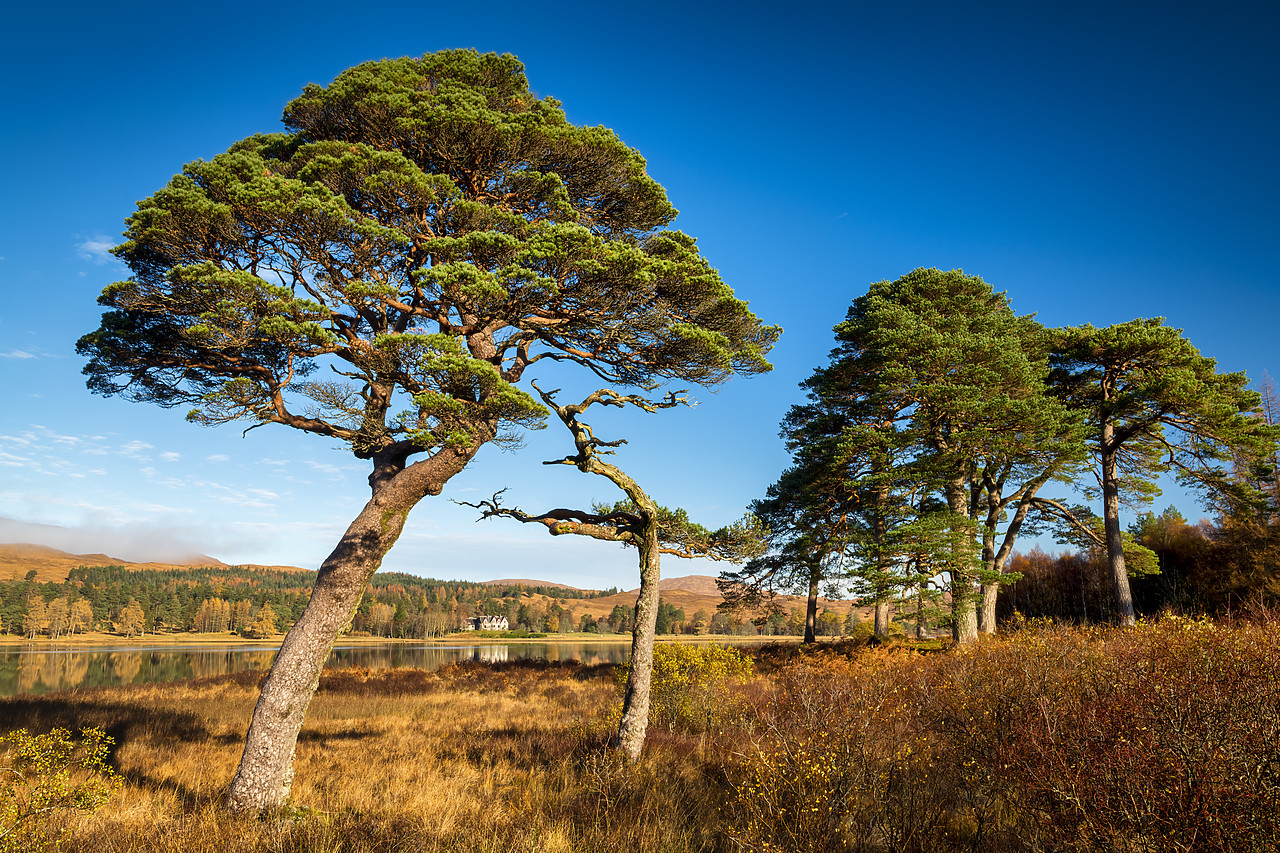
{"points": [[43, 669]]}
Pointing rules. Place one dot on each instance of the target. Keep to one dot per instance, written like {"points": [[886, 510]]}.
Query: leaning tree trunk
{"points": [[635, 698], [265, 774], [1111, 524], [996, 560]]}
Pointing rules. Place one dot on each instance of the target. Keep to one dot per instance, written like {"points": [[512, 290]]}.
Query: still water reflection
{"points": [[44, 670]]}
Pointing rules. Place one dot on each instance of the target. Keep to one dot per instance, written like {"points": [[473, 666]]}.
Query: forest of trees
{"points": [[932, 441], [259, 602]]}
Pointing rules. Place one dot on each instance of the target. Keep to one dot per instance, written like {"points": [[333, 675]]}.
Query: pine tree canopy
{"points": [[384, 271]]}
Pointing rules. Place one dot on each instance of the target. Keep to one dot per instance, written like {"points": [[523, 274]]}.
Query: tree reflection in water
{"points": [[31, 671], [125, 666]]}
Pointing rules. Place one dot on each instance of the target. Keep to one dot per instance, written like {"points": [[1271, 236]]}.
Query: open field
{"points": [[1162, 738]]}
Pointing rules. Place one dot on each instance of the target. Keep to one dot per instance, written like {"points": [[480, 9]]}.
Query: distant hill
{"points": [[699, 592], [699, 584], [50, 564], [691, 593], [530, 583]]}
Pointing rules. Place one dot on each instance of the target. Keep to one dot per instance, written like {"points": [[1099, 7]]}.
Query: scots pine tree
{"points": [[637, 521], [1156, 404], [382, 274], [938, 365]]}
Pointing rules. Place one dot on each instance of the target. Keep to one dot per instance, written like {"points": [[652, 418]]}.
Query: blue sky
{"points": [[1099, 162]]}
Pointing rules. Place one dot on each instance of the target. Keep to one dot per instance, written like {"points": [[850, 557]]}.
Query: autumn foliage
{"points": [[1164, 737], [1161, 738]]}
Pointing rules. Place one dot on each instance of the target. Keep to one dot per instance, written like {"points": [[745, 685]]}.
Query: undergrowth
{"points": [[1165, 737]]}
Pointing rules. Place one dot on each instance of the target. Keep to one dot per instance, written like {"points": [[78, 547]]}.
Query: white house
{"points": [[487, 623]]}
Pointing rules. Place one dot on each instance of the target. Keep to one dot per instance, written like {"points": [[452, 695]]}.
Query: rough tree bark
{"points": [[964, 616], [1111, 526], [265, 774], [882, 619], [811, 610], [635, 696]]}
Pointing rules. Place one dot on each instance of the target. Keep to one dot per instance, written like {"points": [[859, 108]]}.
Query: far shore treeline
{"points": [[259, 602]]}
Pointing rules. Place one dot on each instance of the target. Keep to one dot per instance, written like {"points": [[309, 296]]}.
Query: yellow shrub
{"points": [[688, 687], [44, 776]]}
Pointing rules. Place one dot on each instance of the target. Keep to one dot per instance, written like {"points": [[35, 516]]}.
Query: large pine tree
{"points": [[1155, 404], [382, 274]]}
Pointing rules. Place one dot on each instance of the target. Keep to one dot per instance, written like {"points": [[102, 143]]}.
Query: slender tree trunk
{"points": [[880, 530], [635, 698], [1111, 524], [964, 616], [990, 586], [811, 610], [265, 774], [1000, 558]]}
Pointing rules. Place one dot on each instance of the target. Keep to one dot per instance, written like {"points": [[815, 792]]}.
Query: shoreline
{"points": [[98, 639]]}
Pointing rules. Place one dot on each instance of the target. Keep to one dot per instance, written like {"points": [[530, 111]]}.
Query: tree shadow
{"points": [[75, 710]]}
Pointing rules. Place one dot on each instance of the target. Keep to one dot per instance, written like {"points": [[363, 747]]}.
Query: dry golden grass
{"points": [[473, 758], [1157, 738]]}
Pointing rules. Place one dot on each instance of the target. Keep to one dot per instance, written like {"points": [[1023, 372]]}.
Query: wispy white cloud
{"points": [[97, 249], [323, 467], [210, 491], [76, 510], [17, 353], [136, 450], [14, 461], [218, 457], [45, 452], [170, 456]]}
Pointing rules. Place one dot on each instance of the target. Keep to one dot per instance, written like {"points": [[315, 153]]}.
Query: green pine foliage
{"points": [[943, 420]]}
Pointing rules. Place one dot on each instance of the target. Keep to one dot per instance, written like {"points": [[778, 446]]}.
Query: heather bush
{"points": [[1165, 737]]}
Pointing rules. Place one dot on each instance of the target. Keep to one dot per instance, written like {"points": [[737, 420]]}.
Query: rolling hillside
{"points": [[691, 593], [50, 564]]}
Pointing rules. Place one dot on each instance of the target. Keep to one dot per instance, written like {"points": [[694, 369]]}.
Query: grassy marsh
{"points": [[1161, 738]]}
